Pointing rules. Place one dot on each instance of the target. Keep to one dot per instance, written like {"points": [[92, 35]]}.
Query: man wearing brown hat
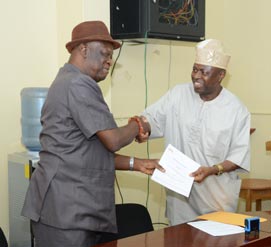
{"points": [[211, 126], [70, 199]]}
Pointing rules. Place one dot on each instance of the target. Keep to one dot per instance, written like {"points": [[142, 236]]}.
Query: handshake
{"points": [[144, 128]]}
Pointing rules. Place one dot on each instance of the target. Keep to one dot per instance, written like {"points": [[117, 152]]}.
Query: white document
{"points": [[216, 228], [178, 167]]}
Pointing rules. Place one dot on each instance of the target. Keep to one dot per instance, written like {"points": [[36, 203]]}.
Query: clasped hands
{"points": [[144, 128]]}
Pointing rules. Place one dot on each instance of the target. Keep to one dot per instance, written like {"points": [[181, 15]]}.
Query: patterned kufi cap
{"points": [[210, 52]]}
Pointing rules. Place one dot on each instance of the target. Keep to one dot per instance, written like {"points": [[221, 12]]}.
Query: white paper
{"points": [[178, 167], [216, 228]]}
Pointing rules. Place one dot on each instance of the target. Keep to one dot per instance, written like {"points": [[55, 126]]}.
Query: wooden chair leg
{"points": [[248, 202], [259, 205]]}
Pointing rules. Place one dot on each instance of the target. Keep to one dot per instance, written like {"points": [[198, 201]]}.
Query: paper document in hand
{"points": [[178, 167]]}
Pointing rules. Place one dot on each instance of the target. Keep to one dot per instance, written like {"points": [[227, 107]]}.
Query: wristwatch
{"points": [[220, 169], [131, 163]]}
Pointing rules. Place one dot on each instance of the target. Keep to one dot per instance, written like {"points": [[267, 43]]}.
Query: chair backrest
{"points": [[132, 219], [3, 240]]}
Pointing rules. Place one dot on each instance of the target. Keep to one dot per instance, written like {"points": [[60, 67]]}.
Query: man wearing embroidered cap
{"points": [[211, 126], [70, 199]]}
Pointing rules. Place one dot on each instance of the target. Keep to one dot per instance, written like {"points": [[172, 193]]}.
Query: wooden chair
{"points": [[253, 189]]}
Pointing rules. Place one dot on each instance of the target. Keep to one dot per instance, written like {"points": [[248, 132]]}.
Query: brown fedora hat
{"points": [[90, 31]]}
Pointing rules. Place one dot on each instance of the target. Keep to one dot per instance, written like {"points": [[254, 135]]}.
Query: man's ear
{"points": [[222, 74], [83, 49]]}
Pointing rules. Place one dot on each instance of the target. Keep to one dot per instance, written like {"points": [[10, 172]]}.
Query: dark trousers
{"points": [[46, 236]]}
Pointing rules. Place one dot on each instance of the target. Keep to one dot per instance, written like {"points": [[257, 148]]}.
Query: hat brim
{"points": [[72, 44]]}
